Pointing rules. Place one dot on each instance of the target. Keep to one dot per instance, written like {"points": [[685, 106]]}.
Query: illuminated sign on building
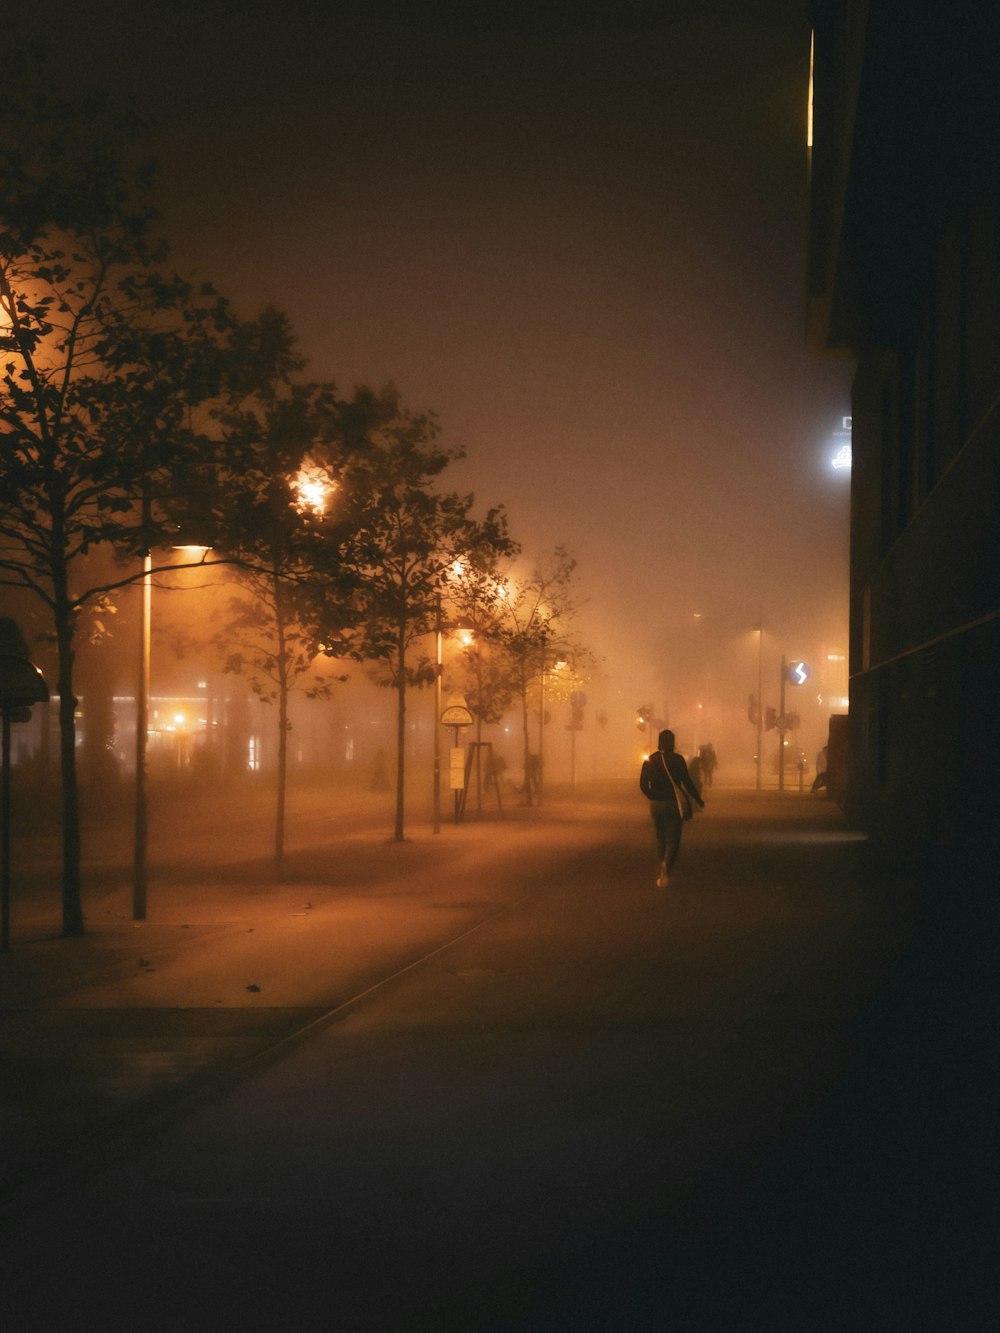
{"points": [[841, 460]]}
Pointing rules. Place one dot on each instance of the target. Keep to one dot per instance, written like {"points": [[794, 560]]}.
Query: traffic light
{"points": [[644, 712], [752, 713], [770, 719]]}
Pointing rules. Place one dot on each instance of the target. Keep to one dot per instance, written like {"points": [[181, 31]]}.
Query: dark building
{"points": [[904, 276]]}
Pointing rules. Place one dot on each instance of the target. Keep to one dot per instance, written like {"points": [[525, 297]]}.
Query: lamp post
{"points": [[141, 834], [781, 725], [479, 716], [557, 665], [438, 671], [541, 729], [760, 697]]}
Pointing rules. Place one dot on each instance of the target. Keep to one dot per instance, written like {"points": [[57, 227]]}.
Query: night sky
{"points": [[577, 234]]}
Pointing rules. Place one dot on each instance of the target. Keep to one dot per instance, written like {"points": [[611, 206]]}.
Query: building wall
{"points": [[907, 278]]}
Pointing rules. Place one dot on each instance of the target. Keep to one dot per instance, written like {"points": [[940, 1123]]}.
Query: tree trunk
{"points": [[526, 731], [400, 734], [71, 897], [279, 821]]}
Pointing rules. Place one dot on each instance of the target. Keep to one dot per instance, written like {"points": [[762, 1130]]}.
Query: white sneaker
{"points": [[662, 879]]}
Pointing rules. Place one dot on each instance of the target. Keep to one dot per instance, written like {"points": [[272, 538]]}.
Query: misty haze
{"points": [[489, 839]]}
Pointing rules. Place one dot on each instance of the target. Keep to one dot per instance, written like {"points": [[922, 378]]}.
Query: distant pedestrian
{"points": [[496, 765], [709, 762], [820, 780], [532, 779], [666, 784]]}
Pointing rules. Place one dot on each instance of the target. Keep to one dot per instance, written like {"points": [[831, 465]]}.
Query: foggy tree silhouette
{"points": [[410, 543], [106, 356], [531, 618], [283, 523]]}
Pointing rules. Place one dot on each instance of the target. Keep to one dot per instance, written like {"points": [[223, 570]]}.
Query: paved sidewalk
{"points": [[782, 961], [98, 1032]]}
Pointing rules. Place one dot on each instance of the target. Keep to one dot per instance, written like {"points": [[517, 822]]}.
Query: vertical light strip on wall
{"points": [[809, 106]]}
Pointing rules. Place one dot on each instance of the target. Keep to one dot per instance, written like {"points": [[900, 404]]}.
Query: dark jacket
{"points": [[654, 783]]}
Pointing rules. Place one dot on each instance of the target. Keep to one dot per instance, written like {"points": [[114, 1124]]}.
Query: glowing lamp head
{"points": [[313, 487]]}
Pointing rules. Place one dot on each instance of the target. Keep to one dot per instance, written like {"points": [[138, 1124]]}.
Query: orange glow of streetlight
{"points": [[313, 488]]}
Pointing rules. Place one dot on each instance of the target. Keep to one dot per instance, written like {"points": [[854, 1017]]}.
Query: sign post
{"points": [[795, 673], [456, 714]]}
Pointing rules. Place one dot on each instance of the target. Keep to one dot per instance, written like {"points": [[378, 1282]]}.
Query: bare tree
{"points": [[531, 625], [282, 520], [105, 354], [411, 542]]}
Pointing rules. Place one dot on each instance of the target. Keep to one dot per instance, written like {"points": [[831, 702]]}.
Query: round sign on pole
{"points": [[456, 712]]}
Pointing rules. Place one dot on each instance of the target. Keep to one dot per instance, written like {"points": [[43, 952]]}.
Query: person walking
{"points": [[666, 783], [709, 762]]}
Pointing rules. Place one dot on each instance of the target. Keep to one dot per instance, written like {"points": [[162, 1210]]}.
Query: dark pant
{"points": [[667, 823]]}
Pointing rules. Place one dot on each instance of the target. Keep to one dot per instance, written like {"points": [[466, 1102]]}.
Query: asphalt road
{"points": [[582, 1103]]}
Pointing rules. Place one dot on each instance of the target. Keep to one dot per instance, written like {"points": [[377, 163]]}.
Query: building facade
{"points": [[904, 276]]}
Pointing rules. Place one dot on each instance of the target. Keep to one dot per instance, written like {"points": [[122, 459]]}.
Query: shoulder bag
{"points": [[684, 806]]}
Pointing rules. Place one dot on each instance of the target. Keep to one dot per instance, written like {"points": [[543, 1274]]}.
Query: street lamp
{"points": [[141, 836], [313, 487]]}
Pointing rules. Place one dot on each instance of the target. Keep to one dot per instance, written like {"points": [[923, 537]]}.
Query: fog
{"points": [[582, 243]]}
